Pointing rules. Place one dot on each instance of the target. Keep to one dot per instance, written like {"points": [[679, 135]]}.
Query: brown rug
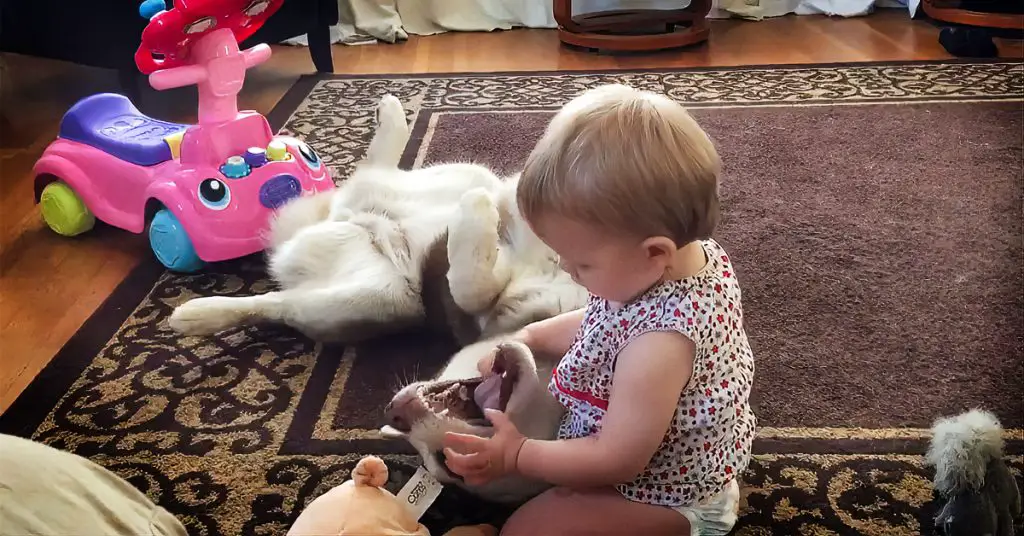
{"points": [[875, 216]]}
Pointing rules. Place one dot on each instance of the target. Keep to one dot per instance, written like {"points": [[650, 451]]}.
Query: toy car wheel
{"points": [[171, 244], [63, 211]]}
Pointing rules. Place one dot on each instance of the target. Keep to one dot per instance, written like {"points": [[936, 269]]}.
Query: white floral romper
{"points": [[712, 431]]}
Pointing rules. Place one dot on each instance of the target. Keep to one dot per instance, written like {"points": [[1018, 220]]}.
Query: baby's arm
{"points": [[650, 374], [550, 337], [554, 336]]}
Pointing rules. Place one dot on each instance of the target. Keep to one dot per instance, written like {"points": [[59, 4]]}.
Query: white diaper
{"points": [[717, 516]]}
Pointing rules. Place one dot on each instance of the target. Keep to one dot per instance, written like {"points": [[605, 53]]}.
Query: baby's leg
{"points": [[599, 512]]}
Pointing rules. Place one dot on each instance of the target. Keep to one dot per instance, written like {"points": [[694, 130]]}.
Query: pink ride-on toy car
{"points": [[208, 190]]}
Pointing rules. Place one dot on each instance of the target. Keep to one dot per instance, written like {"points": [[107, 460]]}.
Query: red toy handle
{"points": [[169, 36]]}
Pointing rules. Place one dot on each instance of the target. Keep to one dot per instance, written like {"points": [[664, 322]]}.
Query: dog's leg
{"points": [[209, 315], [336, 275], [345, 312], [381, 160], [356, 309], [475, 275], [391, 137]]}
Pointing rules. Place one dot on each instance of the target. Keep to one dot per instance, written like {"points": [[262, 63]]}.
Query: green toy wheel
{"points": [[63, 211]]}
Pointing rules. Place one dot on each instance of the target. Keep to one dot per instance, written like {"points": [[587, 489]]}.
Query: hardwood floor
{"points": [[50, 285]]}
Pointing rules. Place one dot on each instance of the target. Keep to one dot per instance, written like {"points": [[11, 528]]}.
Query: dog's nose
{"points": [[396, 420], [403, 411]]}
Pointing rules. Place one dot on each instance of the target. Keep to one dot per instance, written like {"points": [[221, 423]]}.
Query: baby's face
{"points": [[612, 266]]}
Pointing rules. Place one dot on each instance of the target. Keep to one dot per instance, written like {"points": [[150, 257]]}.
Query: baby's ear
{"points": [[659, 247]]}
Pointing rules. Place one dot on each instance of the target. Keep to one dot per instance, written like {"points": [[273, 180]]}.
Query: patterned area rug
{"points": [[874, 215]]}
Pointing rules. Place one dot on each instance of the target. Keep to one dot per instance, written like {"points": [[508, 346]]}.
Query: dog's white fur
{"points": [[961, 449], [530, 407], [350, 263]]}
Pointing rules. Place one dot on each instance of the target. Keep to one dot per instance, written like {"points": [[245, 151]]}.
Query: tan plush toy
{"points": [[361, 507]]}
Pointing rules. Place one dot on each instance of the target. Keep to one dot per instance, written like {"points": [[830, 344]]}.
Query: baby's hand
{"points": [[479, 460]]}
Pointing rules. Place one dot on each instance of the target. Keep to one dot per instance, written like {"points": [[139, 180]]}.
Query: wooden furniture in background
{"points": [[951, 11], [633, 29]]}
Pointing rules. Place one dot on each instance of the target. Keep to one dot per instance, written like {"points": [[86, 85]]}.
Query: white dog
{"points": [[443, 246], [422, 412]]}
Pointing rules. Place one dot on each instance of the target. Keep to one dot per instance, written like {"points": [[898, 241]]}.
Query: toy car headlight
{"points": [[214, 194], [309, 156]]}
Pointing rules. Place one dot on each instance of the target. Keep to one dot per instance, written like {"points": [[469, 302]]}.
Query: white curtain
{"points": [[395, 20]]}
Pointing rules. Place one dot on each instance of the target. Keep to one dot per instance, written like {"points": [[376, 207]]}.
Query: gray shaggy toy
{"points": [[981, 494]]}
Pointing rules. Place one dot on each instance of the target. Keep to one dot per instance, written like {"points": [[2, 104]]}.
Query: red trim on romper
{"points": [[578, 395]]}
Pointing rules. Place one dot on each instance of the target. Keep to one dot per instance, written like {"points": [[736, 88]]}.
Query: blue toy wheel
{"points": [[171, 244]]}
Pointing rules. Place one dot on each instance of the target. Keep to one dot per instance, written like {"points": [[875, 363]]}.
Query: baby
{"points": [[656, 370]]}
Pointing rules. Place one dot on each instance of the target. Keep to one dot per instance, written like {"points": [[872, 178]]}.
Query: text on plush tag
{"points": [[420, 492]]}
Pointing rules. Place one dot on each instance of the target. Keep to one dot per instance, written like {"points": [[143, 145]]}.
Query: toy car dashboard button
{"points": [[235, 168], [255, 156], [277, 151], [150, 8]]}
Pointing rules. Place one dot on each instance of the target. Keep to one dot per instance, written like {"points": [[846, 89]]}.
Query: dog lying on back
{"points": [[422, 412], [442, 246]]}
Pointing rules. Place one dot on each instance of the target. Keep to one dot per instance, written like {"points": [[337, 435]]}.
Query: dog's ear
{"points": [[513, 361], [508, 365]]}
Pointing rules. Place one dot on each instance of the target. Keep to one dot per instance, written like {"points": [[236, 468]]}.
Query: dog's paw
{"points": [[477, 206], [390, 112], [206, 316]]}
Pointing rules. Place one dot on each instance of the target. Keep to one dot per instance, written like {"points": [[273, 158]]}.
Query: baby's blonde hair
{"points": [[627, 160]]}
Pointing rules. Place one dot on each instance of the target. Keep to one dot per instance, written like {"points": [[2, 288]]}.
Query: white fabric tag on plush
{"points": [[420, 492]]}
